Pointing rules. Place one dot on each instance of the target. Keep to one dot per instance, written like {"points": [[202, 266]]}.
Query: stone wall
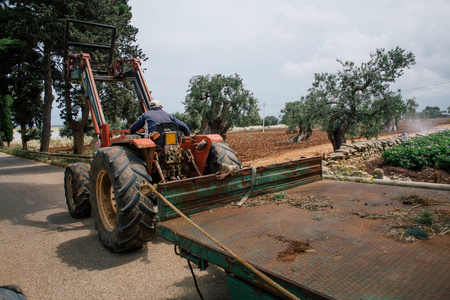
{"points": [[366, 149]]}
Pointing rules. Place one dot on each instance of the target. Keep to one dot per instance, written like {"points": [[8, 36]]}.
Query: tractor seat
{"points": [[168, 132], [132, 136]]}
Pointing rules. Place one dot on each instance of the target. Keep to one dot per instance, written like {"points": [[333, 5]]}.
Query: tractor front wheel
{"points": [[76, 186], [123, 216]]}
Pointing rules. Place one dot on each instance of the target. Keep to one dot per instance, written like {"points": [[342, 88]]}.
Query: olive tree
{"points": [[222, 102], [356, 100], [192, 121], [271, 120], [27, 101]]}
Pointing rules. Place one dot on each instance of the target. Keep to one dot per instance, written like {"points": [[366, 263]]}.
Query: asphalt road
{"points": [[50, 255]]}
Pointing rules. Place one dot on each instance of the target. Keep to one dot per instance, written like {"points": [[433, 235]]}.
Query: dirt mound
{"points": [[426, 175]]}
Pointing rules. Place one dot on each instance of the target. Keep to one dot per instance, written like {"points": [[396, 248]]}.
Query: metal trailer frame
{"points": [[214, 191]]}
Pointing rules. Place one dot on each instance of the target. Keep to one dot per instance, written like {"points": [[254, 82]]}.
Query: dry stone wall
{"points": [[346, 161], [366, 149]]}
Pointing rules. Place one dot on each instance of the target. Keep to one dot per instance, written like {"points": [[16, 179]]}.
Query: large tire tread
{"points": [[134, 211], [221, 153], [76, 186]]}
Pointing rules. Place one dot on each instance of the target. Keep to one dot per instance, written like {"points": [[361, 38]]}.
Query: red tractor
{"points": [[109, 186]]}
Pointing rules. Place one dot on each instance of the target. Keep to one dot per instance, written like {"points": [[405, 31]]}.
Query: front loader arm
{"points": [[78, 67], [84, 72], [136, 76]]}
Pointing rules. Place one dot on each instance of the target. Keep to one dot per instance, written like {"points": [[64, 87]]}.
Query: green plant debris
{"points": [[279, 196], [414, 199], [313, 203], [417, 232], [426, 217], [404, 226], [318, 202]]}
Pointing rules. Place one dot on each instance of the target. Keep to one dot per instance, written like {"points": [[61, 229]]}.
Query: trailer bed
{"points": [[349, 257]]}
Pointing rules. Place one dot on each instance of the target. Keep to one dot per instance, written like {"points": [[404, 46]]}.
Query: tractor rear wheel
{"points": [[76, 186], [123, 216], [220, 156]]}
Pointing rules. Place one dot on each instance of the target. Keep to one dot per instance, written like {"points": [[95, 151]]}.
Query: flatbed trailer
{"points": [[345, 256]]}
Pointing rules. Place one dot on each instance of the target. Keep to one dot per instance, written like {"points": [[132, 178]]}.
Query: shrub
{"points": [[426, 218], [279, 196], [417, 232], [429, 151]]}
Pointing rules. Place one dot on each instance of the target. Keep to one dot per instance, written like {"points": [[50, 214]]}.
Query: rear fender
{"points": [[200, 156]]}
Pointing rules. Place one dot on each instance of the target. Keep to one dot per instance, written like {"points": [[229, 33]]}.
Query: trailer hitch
{"points": [[200, 262]]}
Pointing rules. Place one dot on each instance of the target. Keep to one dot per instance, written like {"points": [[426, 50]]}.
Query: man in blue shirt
{"points": [[154, 116]]}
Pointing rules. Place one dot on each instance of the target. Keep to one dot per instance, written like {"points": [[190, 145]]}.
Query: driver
{"points": [[154, 116]]}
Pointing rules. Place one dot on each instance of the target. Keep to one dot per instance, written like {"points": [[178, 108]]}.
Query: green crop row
{"points": [[416, 154]]}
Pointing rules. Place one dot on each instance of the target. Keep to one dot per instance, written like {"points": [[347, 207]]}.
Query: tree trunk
{"points": [[78, 141], [304, 132], [336, 137], [390, 126], [77, 127], [203, 125], [217, 126], [48, 100], [93, 142], [78, 132], [23, 133], [1, 142]]}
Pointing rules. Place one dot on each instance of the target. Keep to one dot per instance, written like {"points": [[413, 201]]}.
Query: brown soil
{"points": [[253, 145], [293, 249], [426, 175]]}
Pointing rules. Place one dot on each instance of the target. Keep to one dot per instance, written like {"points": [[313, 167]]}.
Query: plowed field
{"points": [[256, 147]]}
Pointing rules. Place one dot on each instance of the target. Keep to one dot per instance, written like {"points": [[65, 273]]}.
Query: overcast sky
{"points": [[277, 46]]}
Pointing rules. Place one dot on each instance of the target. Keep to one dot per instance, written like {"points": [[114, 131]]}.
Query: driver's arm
{"points": [[137, 125], [181, 125]]}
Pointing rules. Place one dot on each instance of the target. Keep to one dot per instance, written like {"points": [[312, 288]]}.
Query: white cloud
{"points": [[353, 46], [317, 64], [308, 14]]}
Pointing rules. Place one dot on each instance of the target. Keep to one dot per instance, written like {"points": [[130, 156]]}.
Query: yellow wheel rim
{"points": [[106, 201]]}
